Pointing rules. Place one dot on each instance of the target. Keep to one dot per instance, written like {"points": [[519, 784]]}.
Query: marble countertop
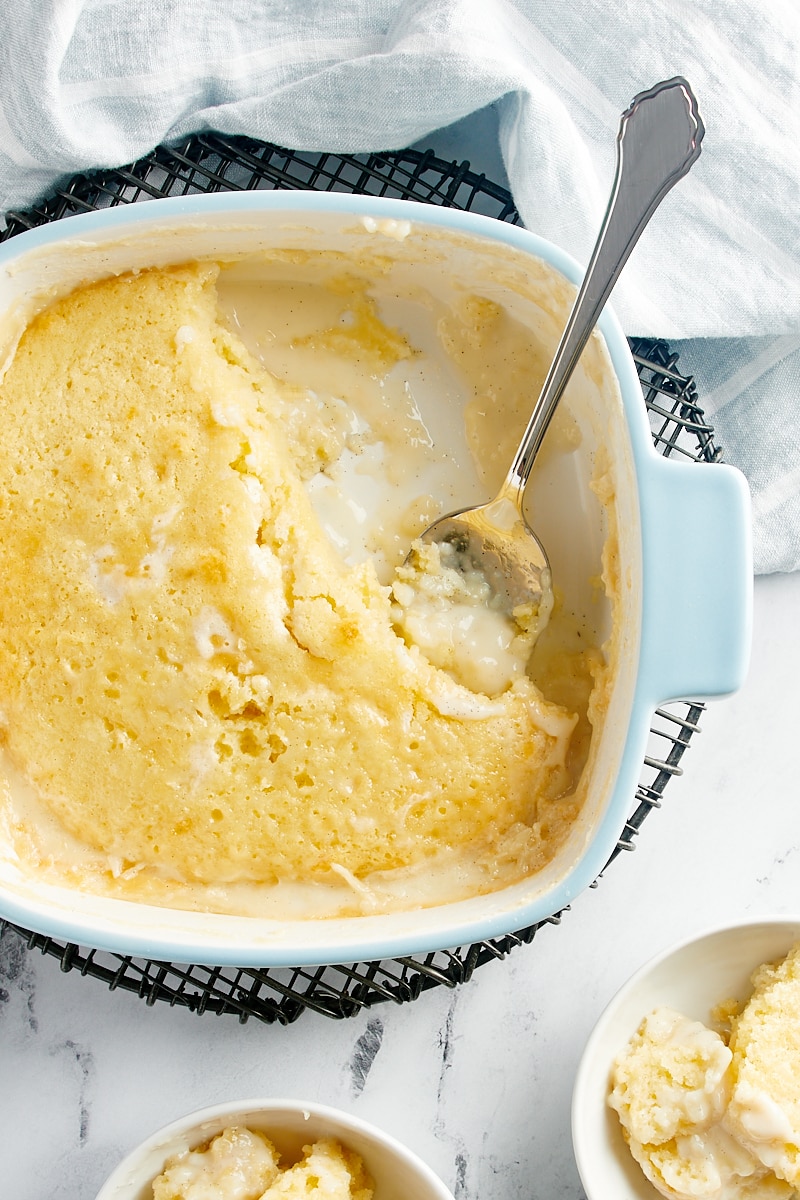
{"points": [[476, 1080]]}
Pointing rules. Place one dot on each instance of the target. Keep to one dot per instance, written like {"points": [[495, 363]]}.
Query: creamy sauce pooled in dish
{"points": [[219, 687], [444, 604]]}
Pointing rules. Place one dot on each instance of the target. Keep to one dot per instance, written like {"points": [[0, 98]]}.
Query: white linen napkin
{"points": [[98, 83]]}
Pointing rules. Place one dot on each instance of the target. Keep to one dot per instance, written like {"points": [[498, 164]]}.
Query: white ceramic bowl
{"points": [[290, 1124], [692, 978], [686, 579]]}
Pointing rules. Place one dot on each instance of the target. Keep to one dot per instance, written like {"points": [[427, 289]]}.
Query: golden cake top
{"points": [[193, 680]]}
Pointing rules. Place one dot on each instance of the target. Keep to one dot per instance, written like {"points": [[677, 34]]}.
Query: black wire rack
{"points": [[212, 163]]}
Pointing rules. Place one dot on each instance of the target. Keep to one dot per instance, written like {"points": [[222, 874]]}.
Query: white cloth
{"points": [[97, 83]]}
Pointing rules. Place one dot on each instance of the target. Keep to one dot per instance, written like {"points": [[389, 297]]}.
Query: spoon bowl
{"points": [[497, 539], [658, 141]]}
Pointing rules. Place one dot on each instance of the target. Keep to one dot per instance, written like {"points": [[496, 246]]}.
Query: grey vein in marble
{"points": [[84, 1062], [364, 1054], [460, 1190], [446, 1045], [442, 1128], [17, 976]]}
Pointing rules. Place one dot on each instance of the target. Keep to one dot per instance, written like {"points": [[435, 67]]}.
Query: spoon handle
{"points": [[658, 140]]}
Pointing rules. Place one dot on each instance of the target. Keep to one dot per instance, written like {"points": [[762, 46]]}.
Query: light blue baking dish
{"points": [[686, 575]]}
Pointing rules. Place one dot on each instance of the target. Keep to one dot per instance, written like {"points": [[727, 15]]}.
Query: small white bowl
{"points": [[290, 1124], [691, 977]]}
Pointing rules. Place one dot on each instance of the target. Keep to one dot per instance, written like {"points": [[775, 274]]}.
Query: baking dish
{"points": [[683, 545]]}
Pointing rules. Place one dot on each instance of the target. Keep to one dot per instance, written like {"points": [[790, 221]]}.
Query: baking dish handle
{"points": [[698, 580]]}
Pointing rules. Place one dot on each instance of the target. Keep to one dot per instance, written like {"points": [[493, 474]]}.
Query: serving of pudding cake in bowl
{"points": [[687, 1084], [271, 1148], [235, 727]]}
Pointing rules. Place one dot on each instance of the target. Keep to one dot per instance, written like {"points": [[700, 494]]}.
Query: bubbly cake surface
{"points": [[190, 678], [765, 1105]]}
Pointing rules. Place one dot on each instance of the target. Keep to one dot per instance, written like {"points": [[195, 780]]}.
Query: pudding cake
{"points": [[204, 701]]}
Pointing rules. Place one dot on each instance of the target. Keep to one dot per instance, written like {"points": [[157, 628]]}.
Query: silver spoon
{"points": [[658, 140]]}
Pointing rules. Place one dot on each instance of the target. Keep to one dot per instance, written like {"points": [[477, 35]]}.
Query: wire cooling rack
{"points": [[211, 163]]}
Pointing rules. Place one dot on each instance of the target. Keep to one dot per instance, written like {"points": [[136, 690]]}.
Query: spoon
{"points": [[658, 140]]}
